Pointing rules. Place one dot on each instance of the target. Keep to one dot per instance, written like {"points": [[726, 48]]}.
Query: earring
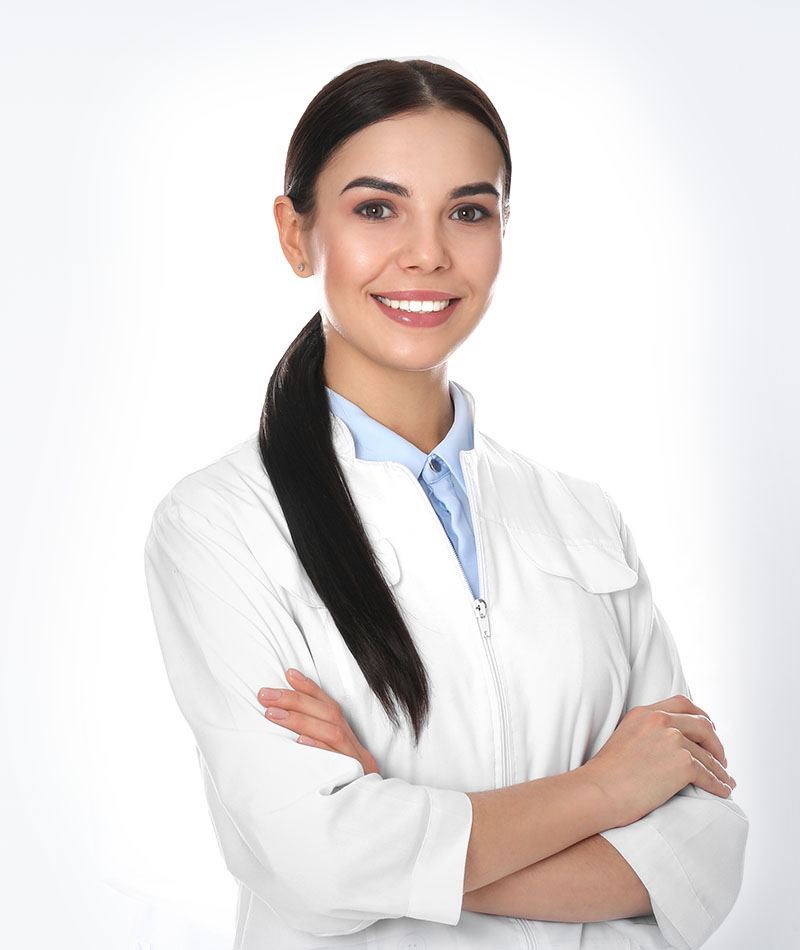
{"points": [[301, 266]]}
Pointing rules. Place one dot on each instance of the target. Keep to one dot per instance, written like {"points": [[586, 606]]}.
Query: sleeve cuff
{"points": [[437, 889], [680, 915]]}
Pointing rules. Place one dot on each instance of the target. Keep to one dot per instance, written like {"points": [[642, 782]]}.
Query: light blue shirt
{"points": [[439, 472]]}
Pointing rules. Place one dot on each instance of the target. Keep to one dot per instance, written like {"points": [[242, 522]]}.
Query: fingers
{"points": [[304, 696], [299, 702], [680, 704], [694, 722], [708, 774], [319, 720], [316, 743], [308, 711], [306, 685], [700, 731], [320, 730]]}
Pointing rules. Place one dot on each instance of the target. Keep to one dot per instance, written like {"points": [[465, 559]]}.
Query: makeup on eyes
{"points": [[484, 213], [394, 188]]}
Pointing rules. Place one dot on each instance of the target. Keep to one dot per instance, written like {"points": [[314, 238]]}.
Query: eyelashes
{"points": [[366, 208], [381, 210], [478, 210]]}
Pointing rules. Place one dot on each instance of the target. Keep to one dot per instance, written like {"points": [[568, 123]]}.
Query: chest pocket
{"points": [[561, 638], [598, 566]]}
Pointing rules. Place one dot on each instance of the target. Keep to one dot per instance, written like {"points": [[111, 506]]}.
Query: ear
{"points": [[290, 235]]}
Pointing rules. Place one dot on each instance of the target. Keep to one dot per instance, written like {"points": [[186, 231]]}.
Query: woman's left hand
{"points": [[319, 721]]}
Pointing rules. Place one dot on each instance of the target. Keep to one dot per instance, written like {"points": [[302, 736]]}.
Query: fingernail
{"points": [[268, 693], [295, 673], [275, 712]]}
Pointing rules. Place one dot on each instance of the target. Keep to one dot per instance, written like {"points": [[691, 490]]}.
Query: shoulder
{"points": [[223, 491], [574, 507], [227, 516]]}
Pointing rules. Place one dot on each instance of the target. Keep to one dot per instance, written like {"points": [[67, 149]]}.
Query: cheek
{"points": [[355, 257], [482, 260]]}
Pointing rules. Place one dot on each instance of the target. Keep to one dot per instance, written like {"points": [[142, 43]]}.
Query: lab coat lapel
{"points": [[562, 524]]}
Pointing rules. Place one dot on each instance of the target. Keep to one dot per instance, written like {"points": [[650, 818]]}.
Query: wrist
{"points": [[605, 808]]}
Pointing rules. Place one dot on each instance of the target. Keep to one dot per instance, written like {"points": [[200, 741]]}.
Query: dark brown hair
{"points": [[295, 435]]}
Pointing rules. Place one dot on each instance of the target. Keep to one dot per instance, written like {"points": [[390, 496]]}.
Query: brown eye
{"points": [[469, 213], [374, 210]]}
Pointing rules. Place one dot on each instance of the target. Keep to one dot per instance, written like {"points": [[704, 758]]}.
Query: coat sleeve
{"points": [[689, 852], [328, 848]]}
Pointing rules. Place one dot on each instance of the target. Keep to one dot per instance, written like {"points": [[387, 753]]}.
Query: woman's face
{"points": [[408, 209]]}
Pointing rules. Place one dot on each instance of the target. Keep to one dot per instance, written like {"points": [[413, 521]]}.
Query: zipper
{"points": [[482, 614], [480, 611]]}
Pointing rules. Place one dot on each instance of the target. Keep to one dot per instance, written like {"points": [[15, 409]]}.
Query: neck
{"points": [[414, 404]]}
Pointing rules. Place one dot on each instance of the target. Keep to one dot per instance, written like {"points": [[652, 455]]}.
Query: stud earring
{"points": [[301, 266]]}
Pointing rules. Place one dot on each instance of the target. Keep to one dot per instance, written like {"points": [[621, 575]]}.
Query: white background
{"points": [[644, 336]]}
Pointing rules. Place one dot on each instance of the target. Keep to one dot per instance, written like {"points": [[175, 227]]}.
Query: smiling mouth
{"points": [[416, 306]]}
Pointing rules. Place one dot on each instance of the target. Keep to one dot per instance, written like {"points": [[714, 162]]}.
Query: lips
{"points": [[413, 308], [418, 295], [416, 301]]}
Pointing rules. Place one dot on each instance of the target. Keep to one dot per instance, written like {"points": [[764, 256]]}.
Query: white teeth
{"points": [[415, 306]]}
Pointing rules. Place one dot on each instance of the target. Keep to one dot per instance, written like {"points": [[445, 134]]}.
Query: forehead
{"points": [[432, 148]]}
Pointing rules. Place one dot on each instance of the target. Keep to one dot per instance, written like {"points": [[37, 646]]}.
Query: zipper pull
{"points": [[479, 606]]}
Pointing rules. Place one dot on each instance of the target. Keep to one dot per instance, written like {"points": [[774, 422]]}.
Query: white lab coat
{"points": [[326, 856]]}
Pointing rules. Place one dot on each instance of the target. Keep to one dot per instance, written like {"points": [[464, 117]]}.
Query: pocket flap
{"points": [[599, 566]]}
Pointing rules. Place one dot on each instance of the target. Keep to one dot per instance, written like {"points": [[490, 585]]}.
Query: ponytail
{"points": [[296, 447], [295, 435]]}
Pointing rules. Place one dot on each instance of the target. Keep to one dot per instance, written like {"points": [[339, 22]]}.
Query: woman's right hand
{"points": [[654, 752]]}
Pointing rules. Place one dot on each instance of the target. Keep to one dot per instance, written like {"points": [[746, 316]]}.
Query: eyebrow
{"points": [[381, 184], [478, 188]]}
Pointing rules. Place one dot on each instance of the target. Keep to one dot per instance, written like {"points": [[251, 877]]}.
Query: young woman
{"points": [[434, 702]]}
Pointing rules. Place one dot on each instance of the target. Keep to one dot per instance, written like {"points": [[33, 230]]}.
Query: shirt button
{"points": [[435, 464]]}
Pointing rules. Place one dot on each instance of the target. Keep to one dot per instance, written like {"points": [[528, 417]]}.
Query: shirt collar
{"points": [[375, 442]]}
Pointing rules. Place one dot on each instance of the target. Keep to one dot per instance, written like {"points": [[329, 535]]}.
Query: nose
{"points": [[424, 249]]}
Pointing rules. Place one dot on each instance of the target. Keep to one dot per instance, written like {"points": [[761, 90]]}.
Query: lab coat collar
{"points": [[565, 525], [375, 442], [344, 442]]}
